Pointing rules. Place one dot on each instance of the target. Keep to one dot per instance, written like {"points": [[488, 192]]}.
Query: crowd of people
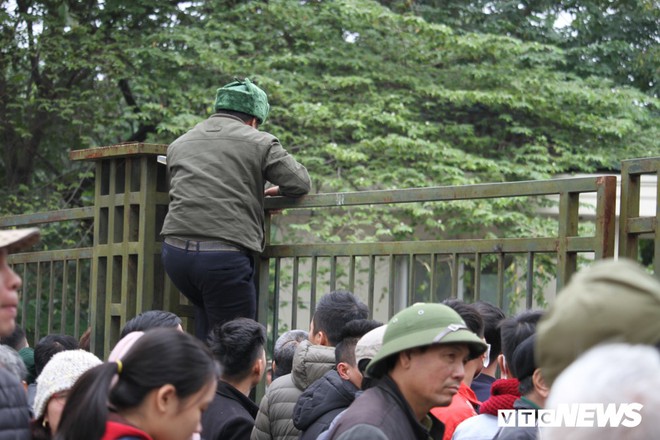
{"points": [[433, 371]]}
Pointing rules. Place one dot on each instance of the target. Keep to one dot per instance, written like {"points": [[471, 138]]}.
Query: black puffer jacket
{"points": [[14, 410], [321, 403]]}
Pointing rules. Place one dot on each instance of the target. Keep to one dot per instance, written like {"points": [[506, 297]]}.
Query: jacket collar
{"points": [[435, 429], [230, 392]]}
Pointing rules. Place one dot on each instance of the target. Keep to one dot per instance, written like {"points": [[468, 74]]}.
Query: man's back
{"points": [[274, 420], [218, 173]]}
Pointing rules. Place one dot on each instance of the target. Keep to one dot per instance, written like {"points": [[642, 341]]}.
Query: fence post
{"points": [[633, 225], [130, 204]]}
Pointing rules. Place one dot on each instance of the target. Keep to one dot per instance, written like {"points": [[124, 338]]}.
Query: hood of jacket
{"points": [[329, 393], [310, 363]]}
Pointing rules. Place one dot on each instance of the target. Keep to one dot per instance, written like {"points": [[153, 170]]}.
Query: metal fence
{"points": [[120, 274], [389, 276], [56, 292]]}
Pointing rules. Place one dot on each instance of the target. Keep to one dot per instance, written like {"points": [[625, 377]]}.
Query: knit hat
{"points": [[59, 374], [424, 324], [244, 97], [27, 354], [369, 344], [522, 360], [610, 301], [16, 239]]}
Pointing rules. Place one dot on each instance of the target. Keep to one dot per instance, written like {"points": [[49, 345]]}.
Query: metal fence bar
{"points": [[294, 293], [439, 193], [392, 308], [351, 274], [411, 294], [500, 280], [477, 276], [454, 275], [333, 273], [529, 291], [312, 296], [371, 286]]}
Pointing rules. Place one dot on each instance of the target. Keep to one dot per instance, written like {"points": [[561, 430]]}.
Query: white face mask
{"points": [[486, 355]]}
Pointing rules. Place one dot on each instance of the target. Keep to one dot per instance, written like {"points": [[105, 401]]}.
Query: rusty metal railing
{"points": [[291, 274]]}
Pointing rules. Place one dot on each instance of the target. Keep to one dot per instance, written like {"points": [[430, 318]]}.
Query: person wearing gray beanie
{"points": [[55, 380]]}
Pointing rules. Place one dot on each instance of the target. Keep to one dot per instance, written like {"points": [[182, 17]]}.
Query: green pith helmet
{"points": [[244, 97], [424, 324], [609, 301]]}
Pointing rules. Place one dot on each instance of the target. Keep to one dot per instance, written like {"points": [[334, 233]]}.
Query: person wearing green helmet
{"points": [[419, 366], [215, 223]]}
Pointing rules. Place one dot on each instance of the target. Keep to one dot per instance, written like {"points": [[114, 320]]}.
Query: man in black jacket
{"points": [[419, 366], [319, 404], [14, 410], [238, 346]]}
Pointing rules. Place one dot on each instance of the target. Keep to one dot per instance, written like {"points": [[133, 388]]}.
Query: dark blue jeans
{"points": [[219, 284]]}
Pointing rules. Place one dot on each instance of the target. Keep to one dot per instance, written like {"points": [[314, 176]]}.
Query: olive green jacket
{"points": [[218, 171]]}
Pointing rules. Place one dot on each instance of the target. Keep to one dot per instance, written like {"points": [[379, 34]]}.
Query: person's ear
{"points": [[258, 369], [405, 358], [254, 123], [165, 398], [320, 338], [504, 368], [541, 387], [344, 370]]}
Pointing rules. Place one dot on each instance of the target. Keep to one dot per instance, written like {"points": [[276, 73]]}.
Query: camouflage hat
{"points": [[16, 239], [244, 97], [610, 301], [420, 325]]}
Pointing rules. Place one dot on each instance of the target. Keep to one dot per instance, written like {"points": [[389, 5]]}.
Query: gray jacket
{"points": [[217, 175], [14, 410], [274, 420]]}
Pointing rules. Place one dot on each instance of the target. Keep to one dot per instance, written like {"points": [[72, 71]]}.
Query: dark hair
{"points": [[285, 347], [516, 329], [469, 314], [162, 356], [240, 115], [48, 346], [237, 345], [150, 319], [15, 340], [334, 310], [526, 385], [492, 316], [350, 335]]}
